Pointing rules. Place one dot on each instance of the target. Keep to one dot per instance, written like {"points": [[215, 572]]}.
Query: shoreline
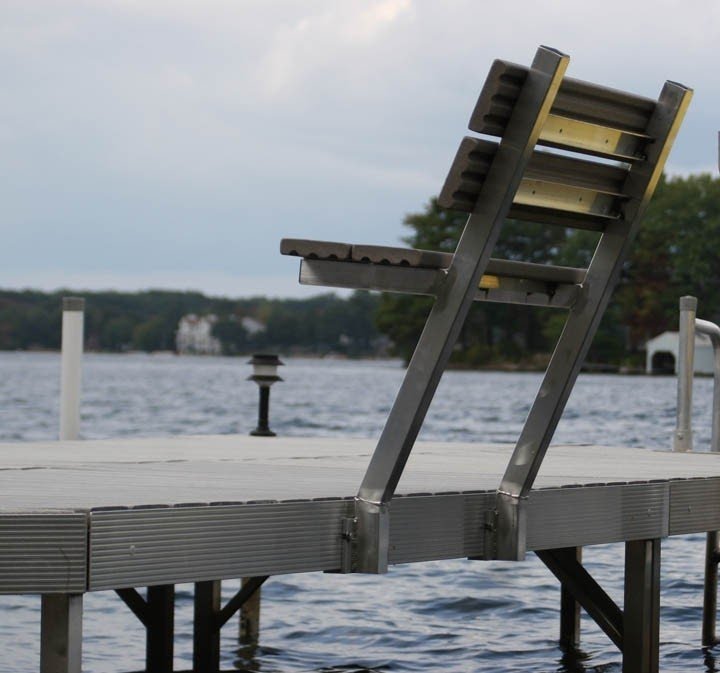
{"points": [[509, 367]]}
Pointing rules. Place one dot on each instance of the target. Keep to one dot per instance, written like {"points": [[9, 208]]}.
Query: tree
{"points": [[492, 331], [152, 335], [676, 252], [232, 335]]}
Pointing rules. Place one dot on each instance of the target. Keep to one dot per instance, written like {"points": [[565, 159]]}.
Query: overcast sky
{"points": [[169, 143]]}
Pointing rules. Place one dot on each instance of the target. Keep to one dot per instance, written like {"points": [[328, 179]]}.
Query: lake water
{"points": [[450, 616]]}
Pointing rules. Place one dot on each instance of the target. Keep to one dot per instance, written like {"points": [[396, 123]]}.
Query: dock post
{"points": [[206, 627], [160, 628], [641, 639], [70, 377], [250, 616], [712, 544], [570, 613], [709, 621], [682, 439], [61, 633]]}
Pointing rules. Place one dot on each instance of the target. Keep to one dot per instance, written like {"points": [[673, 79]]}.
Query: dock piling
{"points": [[156, 613], [250, 613], [206, 627], [641, 614], [570, 613], [61, 633], [709, 622], [160, 628], [71, 366]]}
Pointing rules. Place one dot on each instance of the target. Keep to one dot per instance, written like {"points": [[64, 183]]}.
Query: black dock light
{"points": [[264, 374]]}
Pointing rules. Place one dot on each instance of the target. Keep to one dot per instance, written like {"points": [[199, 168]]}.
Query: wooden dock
{"points": [[93, 515], [117, 514]]}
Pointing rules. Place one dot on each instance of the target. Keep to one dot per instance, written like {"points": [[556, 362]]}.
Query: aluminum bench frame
{"points": [[525, 108]]}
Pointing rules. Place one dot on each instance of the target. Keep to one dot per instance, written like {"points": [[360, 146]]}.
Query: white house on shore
{"points": [[661, 354], [194, 335]]}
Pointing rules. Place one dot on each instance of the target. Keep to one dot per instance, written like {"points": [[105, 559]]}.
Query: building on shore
{"points": [[252, 326], [661, 354], [194, 335]]}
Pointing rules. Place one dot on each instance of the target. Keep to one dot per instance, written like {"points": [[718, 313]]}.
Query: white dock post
{"points": [[682, 439], [70, 377], [61, 633]]}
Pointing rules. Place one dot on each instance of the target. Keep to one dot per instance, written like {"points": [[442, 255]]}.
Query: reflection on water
{"points": [[454, 616]]}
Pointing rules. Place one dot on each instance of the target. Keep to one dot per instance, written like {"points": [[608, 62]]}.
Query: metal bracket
{"points": [[490, 536], [511, 533], [348, 535], [372, 543]]}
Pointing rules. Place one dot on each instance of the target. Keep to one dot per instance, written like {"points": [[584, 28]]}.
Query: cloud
{"points": [[322, 40], [193, 135]]}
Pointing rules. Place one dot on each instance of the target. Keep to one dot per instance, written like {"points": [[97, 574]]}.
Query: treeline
{"points": [[677, 252], [148, 321]]}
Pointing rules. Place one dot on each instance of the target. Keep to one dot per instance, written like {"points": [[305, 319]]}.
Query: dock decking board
{"points": [[160, 511]]}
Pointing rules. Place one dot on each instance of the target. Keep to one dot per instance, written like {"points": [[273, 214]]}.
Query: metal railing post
{"points": [[711, 330], [71, 367], [712, 554], [682, 439], [689, 324]]}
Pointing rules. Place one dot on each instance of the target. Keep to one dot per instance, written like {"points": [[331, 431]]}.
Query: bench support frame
{"points": [[458, 289], [451, 307]]}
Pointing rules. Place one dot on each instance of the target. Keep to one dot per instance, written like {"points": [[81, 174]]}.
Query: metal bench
{"points": [[525, 108]]}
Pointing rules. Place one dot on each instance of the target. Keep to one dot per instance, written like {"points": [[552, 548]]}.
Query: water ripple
{"points": [[453, 616]]}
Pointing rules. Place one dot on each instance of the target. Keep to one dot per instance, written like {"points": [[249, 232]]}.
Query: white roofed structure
{"points": [[661, 354]]}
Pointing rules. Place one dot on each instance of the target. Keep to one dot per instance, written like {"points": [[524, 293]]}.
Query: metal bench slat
{"points": [[594, 139], [552, 183], [300, 247], [432, 259], [576, 99], [424, 281]]}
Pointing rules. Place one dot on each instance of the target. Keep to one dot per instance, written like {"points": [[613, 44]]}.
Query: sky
{"points": [[173, 143]]}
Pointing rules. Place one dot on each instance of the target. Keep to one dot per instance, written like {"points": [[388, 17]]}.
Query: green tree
{"points": [[152, 335], [492, 332], [116, 334], [116, 321], [232, 335], [676, 252]]}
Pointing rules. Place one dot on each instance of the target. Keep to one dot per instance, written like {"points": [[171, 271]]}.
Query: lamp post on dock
{"points": [[264, 374]]}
